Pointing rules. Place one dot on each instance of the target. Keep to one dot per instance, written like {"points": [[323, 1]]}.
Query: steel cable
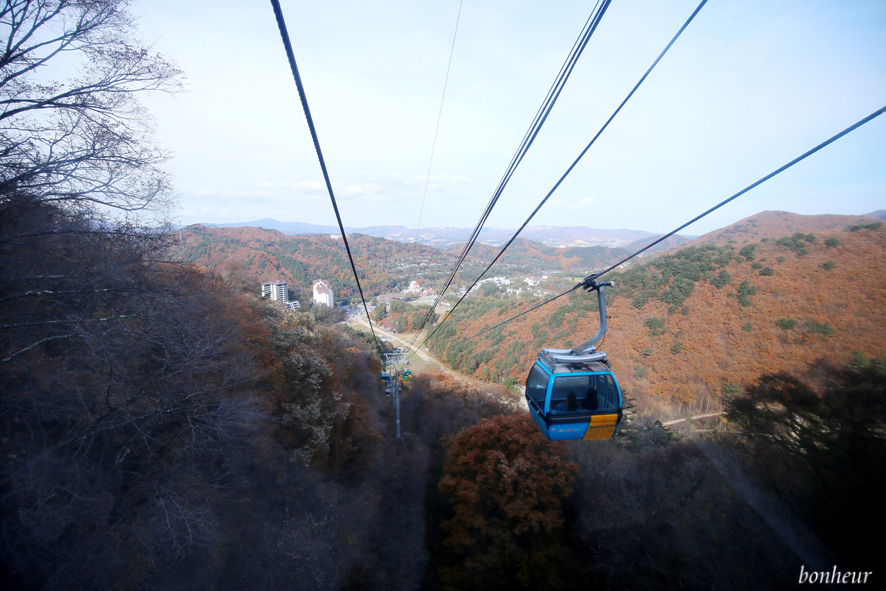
{"points": [[575, 162], [281, 23], [588, 281], [538, 121]]}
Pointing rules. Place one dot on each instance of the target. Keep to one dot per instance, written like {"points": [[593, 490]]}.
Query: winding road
{"points": [[422, 354]]}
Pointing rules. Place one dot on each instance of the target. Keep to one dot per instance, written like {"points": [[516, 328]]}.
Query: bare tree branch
{"points": [[84, 140], [36, 344]]}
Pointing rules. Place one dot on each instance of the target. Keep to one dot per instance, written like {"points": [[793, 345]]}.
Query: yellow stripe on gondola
{"points": [[604, 419], [601, 427]]}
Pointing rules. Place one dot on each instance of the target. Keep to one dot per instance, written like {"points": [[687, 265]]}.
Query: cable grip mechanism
{"points": [[590, 283]]}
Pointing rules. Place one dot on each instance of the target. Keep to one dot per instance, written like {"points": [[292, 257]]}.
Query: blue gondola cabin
{"points": [[574, 400]]}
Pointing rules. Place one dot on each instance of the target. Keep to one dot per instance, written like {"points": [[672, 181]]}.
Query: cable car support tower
{"points": [[395, 358]]}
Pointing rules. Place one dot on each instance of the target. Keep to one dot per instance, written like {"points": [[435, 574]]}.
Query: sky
{"points": [[748, 87]]}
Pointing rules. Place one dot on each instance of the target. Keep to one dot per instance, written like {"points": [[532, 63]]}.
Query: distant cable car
{"points": [[572, 393], [407, 374], [385, 377]]}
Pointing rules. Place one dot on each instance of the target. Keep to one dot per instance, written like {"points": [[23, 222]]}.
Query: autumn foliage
{"points": [[255, 255], [315, 382], [143, 400], [775, 292], [508, 487], [163, 428]]}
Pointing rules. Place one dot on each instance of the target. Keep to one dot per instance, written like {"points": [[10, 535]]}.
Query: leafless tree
{"points": [[85, 139], [126, 405]]}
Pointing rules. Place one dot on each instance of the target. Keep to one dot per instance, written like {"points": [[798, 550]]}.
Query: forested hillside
{"points": [[446, 238], [254, 255], [775, 292], [165, 428], [528, 257]]}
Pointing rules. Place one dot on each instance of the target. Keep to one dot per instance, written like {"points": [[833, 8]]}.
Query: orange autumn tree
{"points": [[509, 489]]}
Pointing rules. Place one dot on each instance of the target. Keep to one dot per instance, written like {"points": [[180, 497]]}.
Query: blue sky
{"points": [[749, 86]]}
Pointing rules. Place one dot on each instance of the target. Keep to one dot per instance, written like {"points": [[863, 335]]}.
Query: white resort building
{"points": [[275, 290], [323, 294]]}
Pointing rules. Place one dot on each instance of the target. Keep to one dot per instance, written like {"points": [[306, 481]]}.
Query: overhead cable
{"points": [[539, 120], [281, 23], [536, 125], [589, 281], [439, 116], [523, 313], [803, 156], [575, 162]]}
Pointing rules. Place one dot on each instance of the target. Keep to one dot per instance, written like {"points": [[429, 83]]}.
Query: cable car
{"points": [[386, 377], [572, 393], [407, 374]]}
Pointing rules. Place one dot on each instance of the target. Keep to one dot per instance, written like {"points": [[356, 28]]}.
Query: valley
{"points": [[688, 326], [211, 406]]}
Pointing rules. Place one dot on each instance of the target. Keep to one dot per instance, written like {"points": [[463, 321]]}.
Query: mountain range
{"points": [[446, 237], [774, 292], [255, 255]]}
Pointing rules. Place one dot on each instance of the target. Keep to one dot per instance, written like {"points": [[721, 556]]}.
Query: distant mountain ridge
{"points": [[255, 255], [775, 223], [261, 254], [447, 237]]}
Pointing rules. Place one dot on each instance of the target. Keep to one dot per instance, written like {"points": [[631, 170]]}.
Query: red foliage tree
{"points": [[508, 488]]}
